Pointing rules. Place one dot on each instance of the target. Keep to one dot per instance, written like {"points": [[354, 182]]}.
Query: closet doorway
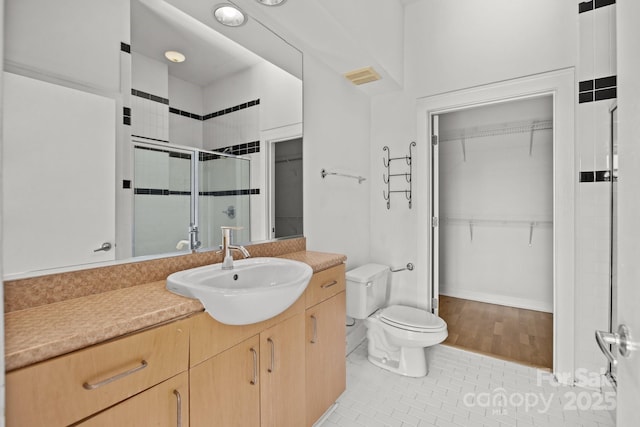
{"points": [[492, 180]]}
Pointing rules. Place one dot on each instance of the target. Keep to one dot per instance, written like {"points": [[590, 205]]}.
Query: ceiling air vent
{"points": [[362, 76]]}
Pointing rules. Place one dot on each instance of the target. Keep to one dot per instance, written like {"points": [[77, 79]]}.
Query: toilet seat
{"points": [[411, 319]]}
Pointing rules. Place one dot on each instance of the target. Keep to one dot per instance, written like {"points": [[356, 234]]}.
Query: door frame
{"points": [[561, 85], [271, 137]]}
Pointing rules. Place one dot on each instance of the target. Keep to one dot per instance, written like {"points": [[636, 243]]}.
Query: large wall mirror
{"points": [[115, 152]]}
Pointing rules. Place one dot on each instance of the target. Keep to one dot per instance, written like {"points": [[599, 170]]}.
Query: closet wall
{"points": [[496, 203]]}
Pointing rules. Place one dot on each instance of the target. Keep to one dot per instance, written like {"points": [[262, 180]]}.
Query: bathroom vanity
{"points": [[186, 370]]}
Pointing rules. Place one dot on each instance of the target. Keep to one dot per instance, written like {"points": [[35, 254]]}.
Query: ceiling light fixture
{"points": [[271, 2], [174, 56], [229, 15]]}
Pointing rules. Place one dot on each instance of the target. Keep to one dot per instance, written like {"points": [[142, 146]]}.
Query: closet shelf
{"points": [[472, 222], [496, 129], [498, 222]]}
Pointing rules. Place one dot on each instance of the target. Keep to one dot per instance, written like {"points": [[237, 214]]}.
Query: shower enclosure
{"points": [[182, 196]]}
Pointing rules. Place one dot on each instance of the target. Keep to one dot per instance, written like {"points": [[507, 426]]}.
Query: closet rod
{"points": [[496, 129]]}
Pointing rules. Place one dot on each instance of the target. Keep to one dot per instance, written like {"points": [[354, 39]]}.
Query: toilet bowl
{"points": [[397, 335]]}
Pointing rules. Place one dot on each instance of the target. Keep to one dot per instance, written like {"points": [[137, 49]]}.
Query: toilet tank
{"points": [[366, 290]]}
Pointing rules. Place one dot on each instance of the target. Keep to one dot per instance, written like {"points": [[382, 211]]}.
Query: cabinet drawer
{"points": [[324, 284], [69, 388], [164, 405]]}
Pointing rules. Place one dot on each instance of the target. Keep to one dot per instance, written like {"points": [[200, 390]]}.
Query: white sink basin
{"points": [[255, 289]]}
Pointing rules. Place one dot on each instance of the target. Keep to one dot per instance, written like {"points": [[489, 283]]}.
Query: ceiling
{"points": [[345, 35], [157, 27]]}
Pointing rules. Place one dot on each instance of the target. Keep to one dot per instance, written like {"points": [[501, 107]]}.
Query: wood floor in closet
{"points": [[515, 334]]}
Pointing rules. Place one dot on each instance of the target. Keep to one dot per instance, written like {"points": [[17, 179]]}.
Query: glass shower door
{"points": [[224, 197], [162, 200]]}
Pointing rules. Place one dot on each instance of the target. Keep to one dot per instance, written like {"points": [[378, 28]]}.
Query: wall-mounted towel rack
{"points": [[407, 174], [324, 173]]}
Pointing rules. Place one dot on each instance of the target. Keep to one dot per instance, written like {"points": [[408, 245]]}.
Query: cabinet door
{"points": [[166, 404], [325, 355], [225, 390], [282, 369]]}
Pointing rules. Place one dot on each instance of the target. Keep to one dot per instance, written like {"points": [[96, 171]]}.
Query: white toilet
{"points": [[398, 334]]}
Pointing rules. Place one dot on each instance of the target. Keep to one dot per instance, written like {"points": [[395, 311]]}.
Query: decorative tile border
{"points": [[240, 149], [126, 116], [598, 89], [217, 113], [594, 4], [149, 96], [596, 176], [247, 192]]}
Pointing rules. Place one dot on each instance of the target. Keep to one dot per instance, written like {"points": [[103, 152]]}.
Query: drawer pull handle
{"points": [[314, 338], [330, 284], [179, 400], [273, 354], [254, 381], [87, 386]]}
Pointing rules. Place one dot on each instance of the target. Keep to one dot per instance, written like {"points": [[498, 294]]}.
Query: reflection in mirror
{"points": [[114, 85], [162, 200], [188, 211]]}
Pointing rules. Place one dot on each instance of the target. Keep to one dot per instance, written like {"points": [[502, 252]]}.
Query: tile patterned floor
{"points": [[463, 389]]}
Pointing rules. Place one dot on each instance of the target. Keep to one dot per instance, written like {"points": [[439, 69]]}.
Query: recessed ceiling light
{"points": [[271, 2], [174, 56], [229, 15]]}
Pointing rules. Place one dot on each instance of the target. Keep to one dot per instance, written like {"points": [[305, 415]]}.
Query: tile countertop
{"points": [[43, 332]]}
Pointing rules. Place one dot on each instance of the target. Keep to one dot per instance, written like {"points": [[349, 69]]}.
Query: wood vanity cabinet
{"points": [[283, 372], [70, 388], [259, 382], [325, 344], [271, 374]]}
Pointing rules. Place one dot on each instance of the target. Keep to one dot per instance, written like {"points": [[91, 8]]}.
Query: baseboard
{"points": [[508, 301]]}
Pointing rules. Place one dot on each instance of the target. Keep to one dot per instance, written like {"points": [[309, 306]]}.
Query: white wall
{"points": [[73, 40], [393, 237], [337, 122], [451, 46], [454, 45], [377, 29]]}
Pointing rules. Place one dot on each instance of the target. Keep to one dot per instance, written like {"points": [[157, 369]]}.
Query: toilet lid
{"points": [[411, 318]]}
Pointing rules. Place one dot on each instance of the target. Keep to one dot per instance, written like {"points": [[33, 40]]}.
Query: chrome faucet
{"points": [[227, 247]]}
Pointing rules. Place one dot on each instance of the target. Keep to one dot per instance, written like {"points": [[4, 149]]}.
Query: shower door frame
{"points": [[560, 85]]}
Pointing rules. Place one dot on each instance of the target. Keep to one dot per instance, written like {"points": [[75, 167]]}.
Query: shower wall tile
{"points": [[586, 136], [149, 118], [602, 134], [597, 86], [604, 27], [586, 52]]}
